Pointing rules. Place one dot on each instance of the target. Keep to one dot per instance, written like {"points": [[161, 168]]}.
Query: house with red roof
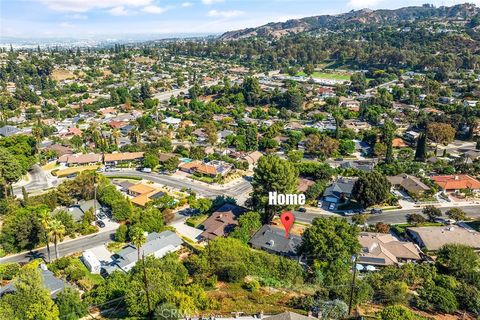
{"points": [[453, 183]]}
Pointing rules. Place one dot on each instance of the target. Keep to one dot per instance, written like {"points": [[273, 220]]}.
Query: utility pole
{"points": [[352, 289]]}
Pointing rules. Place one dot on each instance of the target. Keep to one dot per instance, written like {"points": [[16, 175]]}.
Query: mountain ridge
{"points": [[358, 17]]}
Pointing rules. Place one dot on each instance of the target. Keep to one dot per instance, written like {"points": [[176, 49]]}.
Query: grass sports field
{"points": [[330, 76]]}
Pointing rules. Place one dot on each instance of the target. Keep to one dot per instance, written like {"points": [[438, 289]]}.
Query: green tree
{"points": [[460, 260], [388, 131], [358, 82], [171, 164], [432, 212], [440, 133], [415, 218], [371, 188], [10, 170], [272, 174], [329, 244], [435, 298], [45, 218], [57, 231], [399, 313], [70, 306], [30, 301], [456, 214], [248, 224], [150, 160]]}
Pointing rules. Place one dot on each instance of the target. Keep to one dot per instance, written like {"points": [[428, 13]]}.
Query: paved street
{"points": [[38, 180], [201, 188], [65, 248], [390, 217]]}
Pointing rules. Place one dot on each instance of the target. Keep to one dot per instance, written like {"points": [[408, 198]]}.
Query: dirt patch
{"points": [[62, 74]]}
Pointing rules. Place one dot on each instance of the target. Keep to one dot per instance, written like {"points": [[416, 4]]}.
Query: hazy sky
{"points": [[48, 18]]}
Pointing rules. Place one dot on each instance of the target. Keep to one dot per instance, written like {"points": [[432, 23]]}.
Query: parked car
{"points": [[146, 170], [376, 211], [100, 223], [302, 210]]}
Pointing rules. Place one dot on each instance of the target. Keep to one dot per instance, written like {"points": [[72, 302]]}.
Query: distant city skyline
{"points": [[124, 18]]}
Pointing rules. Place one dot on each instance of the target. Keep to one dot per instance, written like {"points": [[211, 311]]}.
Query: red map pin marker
{"points": [[287, 219]]}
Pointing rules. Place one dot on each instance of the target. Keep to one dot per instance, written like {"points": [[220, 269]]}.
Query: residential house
{"points": [[212, 168], [411, 136], [112, 159], [409, 183], [455, 183], [59, 149], [380, 249], [339, 191], [304, 184], [7, 131], [399, 143], [221, 222], [287, 315], [272, 239], [174, 122], [50, 282], [157, 245], [356, 125], [80, 159], [433, 238], [362, 165], [252, 158], [143, 193]]}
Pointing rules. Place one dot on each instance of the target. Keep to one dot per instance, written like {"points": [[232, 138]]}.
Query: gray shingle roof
{"points": [[6, 131], [53, 285], [272, 239], [158, 244], [287, 315]]}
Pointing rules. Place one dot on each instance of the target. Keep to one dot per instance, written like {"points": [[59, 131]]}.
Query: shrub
{"points": [[74, 273], [233, 272], [251, 285], [121, 233], [9, 270]]}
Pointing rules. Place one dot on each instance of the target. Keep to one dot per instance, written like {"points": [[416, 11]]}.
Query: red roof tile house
{"points": [[452, 183]]}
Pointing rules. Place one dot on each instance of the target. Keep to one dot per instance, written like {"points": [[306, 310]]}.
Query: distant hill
{"points": [[365, 16]]}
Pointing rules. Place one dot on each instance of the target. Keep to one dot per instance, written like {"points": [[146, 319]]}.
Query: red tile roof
{"points": [[456, 182]]}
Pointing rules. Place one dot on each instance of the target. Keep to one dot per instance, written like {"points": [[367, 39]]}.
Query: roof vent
{"points": [[271, 243]]}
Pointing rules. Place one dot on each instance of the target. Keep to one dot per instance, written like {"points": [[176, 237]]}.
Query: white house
{"points": [[91, 262]]}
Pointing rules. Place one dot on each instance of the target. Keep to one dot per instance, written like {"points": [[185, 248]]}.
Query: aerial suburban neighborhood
{"points": [[326, 167]]}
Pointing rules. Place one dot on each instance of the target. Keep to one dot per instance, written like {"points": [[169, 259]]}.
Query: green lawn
{"points": [[401, 228], [330, 76], [196, 220], [95, 279]]}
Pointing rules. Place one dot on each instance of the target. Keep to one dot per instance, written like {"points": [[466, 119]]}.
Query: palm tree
{"points": [[137, 235], [57, 231], [45, 220], [115, 136]]}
